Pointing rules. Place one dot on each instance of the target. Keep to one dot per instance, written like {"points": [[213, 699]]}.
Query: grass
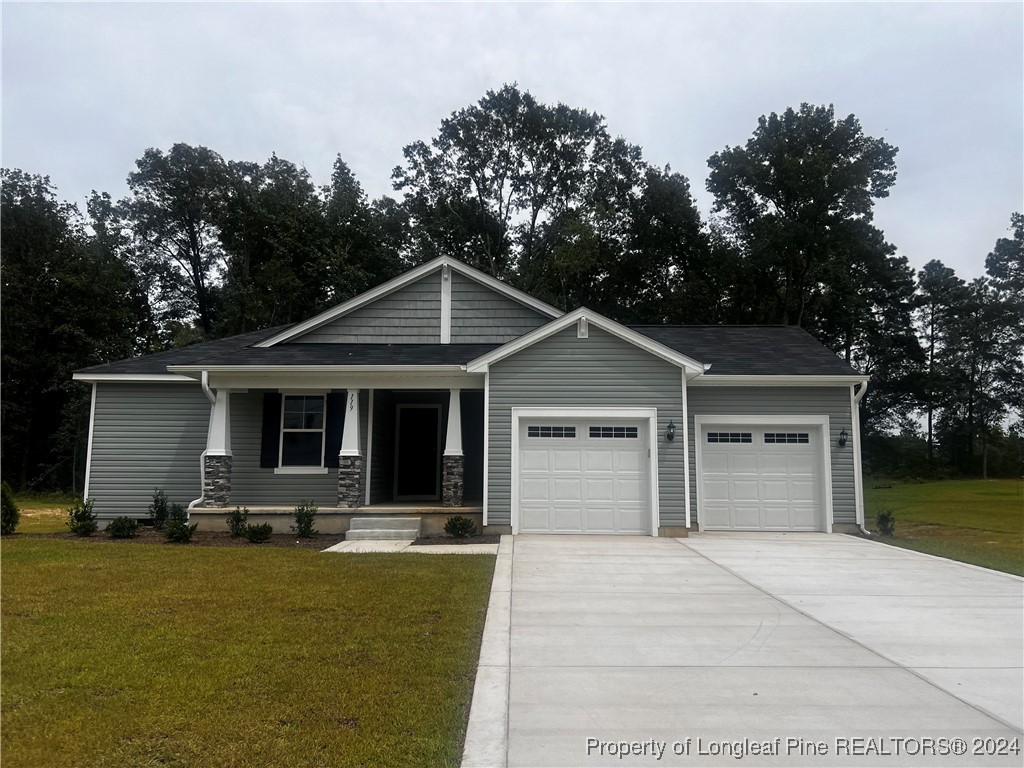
{"points": [[44, 502], [169, 655], [974, 521]]}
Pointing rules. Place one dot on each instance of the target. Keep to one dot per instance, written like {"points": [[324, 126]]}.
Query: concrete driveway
{"points": [[745, 649]]}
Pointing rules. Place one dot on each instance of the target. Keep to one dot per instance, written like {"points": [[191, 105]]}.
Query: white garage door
{"points": [[761, 478], [583, 476]]}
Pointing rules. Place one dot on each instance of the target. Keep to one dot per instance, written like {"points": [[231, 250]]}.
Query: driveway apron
{"points": [[737, 649]]}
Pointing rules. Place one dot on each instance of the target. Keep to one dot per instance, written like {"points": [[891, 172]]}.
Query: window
{"points": [[302, 431], [623, 432], [730, 437], [569, 432], [792, 438]]}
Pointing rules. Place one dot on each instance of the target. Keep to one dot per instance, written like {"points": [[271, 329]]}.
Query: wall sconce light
{"points": [[842, 439], [670, 431]]}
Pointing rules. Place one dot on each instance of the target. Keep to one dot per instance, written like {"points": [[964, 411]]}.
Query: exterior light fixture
{"points": [[670, 431], [842, 439]]}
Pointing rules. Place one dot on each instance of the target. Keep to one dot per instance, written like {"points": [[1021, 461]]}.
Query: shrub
{"points": [[159, 509], [9, 512], [237, 521], [257, 534], [460, 527], [305, 516], [123, 528], [176, 527], [886, 522], [81, 519]]}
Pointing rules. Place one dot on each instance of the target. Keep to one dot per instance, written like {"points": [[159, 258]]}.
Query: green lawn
{"points": [[156, 654], [975, 521]]}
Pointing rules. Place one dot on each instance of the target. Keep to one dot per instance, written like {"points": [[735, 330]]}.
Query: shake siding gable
{"points": [[410, 315], [146, 436], [483, 316], [601, 371], [834, 402]]}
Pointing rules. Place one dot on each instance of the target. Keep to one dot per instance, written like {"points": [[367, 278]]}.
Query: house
{"points": [[447, 391]]}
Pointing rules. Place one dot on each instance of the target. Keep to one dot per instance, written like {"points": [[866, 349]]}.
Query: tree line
{"points": [[543, 197]]}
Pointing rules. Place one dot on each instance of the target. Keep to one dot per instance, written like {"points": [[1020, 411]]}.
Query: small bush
{"points": [[9, 512], [886, 522], [257, 534], [237, 521], [160, 509], [81, 519], [176, 527], [305, 516], [460, 527], [123, 528]]}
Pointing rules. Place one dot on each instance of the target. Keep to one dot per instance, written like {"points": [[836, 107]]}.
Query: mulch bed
{"points": [[202, 539], [423, 541]]}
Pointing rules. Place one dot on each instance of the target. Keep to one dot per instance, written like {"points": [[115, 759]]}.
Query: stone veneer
{"points": [[350, 481], [216, 481], [453, 475]]}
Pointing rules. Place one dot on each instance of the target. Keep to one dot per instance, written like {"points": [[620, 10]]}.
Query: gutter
{"points": [[204, 382], [857, 468]]}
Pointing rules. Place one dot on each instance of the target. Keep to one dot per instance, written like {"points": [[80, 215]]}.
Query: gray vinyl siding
{"points": [[483, 316], [146, 436], [410, 315], [833, 402], [253, 485], [602, 371]]}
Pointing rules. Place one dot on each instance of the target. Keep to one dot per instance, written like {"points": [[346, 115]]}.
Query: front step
{"points": [[383, 528]]}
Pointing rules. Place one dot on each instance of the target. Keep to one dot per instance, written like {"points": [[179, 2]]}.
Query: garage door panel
{"points": [[534, 518], [567, 519], [566, 489], [566, 461], [534, 489], [629, 491], [534, 460], [600, 519], [629, 461], [599, 489], [770, 479], [598, 460]]}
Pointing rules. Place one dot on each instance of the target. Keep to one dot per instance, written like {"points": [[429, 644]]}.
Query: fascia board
{"points": [[482, 363], [408, 369], [499, 287], [776, 381], [161, 378]]}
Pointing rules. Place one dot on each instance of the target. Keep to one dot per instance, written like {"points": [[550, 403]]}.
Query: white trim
{"points": [[453, 429], [582, 331], [161, 378], [446, 304], [775, 381], [300, 470], [319, 382], [400, 282], [651, 416], [257, 369], [822, 422], [480, 364], [487, 440], [88, 450], [369, 445], [686, 451], [351, 428], [858, 469]]}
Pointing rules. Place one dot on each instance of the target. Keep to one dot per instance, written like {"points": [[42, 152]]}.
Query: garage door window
{"points": [[786, 438], [730, 437], [547, 431], [614, 432]]}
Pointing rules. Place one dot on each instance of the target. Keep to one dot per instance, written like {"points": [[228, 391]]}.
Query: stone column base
{"points": [[216, 481], [350, 481], [453, 475]]}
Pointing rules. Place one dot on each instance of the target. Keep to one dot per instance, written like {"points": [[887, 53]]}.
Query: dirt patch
{"points": [[424, 541], [201, 539]]}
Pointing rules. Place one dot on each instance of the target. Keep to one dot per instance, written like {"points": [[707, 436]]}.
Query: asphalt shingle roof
{"points": [[731, 351]]}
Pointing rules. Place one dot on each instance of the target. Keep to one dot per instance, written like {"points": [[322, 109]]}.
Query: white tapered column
{"points": [[453, 440]]}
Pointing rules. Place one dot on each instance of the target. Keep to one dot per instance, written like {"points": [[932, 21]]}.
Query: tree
{"points": [[68, 302], [177, 201], [797, 198]]}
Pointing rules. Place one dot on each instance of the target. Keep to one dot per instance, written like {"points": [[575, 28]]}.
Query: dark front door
{"points": [[418, 452]]}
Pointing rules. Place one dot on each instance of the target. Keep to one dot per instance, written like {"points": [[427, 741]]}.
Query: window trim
{"points": [[801, 438], [744, 438], [301, 469], [563, 436], [624, 436]]}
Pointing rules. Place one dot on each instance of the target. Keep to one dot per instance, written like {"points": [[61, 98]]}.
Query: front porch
{"points": [[338, 519]]}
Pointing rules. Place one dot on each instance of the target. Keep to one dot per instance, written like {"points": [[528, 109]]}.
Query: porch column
{"points": [[453, 462], [350, 459], [217, 457]]}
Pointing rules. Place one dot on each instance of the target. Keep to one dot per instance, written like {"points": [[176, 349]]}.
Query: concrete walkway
{"points": [[405, 545], [744, 649]]}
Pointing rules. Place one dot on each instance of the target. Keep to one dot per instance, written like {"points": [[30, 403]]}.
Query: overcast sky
{"points": [[88, 87]]}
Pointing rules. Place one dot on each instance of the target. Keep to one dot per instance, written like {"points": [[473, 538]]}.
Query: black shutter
{"points": [[334, 423], [270, 444]]}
